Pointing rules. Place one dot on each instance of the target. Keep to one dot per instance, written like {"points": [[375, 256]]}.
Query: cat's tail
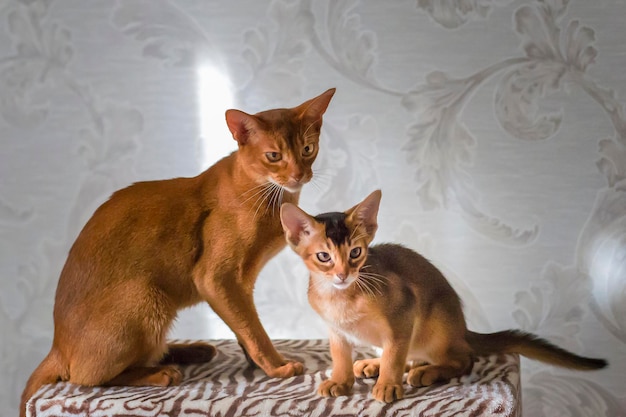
{"points": [[49, 371], [532, 347]]}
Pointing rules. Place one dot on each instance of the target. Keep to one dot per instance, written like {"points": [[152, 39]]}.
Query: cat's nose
{"points": [[342, 276], [297, 175]]}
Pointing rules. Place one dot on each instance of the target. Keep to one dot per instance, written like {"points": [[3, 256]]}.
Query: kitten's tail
{"points": [[531, 346], [49, 371]]}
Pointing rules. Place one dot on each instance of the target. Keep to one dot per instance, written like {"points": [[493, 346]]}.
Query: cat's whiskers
{"points": [[321, 179], [264, 198], [359, 236], [380, 279], [362, 285], [374, 275], [270, 198], [277, 198], [322, 175], [371, 280], [308, 127], [256, 187], [357, 228], [353, 232], [314, 183], [257, 190], [369, 287]]}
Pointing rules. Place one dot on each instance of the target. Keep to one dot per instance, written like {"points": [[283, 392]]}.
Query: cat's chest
{"points": [[353, 318], [339, 312]]}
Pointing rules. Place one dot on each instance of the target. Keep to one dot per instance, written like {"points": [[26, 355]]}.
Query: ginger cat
{"points": [[391, 297], [159, 246]]}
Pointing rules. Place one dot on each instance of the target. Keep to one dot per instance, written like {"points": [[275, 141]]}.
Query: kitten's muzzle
{"points": [[342, 281]]}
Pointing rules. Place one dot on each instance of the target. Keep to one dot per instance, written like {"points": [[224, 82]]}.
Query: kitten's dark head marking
{"points": [[335, 226]]}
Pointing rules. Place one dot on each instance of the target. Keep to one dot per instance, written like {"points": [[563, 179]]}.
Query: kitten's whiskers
{"points": [[372, 281], [362, 285], [359, 236]]}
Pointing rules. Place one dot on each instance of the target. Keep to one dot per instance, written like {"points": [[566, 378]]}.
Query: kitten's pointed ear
{"points": [[296, 223], [366, 212], [315, 108], [241, 125]]}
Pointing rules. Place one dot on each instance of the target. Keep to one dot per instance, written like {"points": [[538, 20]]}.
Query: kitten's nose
{"points": [[342, 276]]}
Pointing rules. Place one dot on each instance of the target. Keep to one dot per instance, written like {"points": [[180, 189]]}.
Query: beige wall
{"points": [[496, 131]]}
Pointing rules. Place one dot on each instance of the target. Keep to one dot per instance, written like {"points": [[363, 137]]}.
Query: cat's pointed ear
{"points": [[312, 110], [296, 223], [241, 125], [366, 212]]}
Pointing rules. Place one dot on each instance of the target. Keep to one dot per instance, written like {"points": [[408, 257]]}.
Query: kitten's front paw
{"points": [[287, 370], [387, 393], [366, 368], [330, 388]]}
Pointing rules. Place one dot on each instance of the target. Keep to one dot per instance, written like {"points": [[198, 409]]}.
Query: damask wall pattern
{"points": [[495, 128]]}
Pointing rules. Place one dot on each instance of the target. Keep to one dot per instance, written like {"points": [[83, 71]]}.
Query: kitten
{"points": [[159, 246], [391, 297]]}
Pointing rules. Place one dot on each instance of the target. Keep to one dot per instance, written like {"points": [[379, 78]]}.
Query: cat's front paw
{"points": [[287, 370], [330, 388], [387, 393], [366, 368]]}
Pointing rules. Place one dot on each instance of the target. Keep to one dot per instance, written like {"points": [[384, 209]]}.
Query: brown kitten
{"points": [[391, 297], [159, 246]]}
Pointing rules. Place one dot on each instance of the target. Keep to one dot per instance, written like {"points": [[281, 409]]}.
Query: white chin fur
{"points": [[342, 285], [293, 189]]}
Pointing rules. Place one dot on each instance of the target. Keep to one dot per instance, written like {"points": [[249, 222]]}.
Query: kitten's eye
{"points": [[308, 150], [273, 156], [355, 252], [323, 256]]}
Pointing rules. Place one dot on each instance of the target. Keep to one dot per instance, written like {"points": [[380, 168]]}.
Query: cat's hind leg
{"points": [[366, 368], [425, 375], [441, 344], [115, 371], [188, 353], [111, 351], [160, 376], [131, 363], [369, 368]]}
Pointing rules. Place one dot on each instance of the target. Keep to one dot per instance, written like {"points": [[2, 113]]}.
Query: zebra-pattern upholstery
{"points": [[227, 386]]}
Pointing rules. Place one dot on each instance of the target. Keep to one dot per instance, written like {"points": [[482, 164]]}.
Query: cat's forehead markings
{"points": [[285, 129], [335, 225]]}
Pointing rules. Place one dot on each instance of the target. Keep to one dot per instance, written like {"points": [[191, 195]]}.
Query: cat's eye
{"points": [[273, 156], [355, 252], [308, 150], [323, 256]]}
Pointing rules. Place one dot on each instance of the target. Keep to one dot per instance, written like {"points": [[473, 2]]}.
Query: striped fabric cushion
{"points": [[227, 386]]}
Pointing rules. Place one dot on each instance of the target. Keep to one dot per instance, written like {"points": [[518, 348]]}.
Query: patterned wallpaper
{"points": [[495, 128]]}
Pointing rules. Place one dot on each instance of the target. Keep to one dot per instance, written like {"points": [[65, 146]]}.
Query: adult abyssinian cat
{"points": [[159, 246], [389, 296]]}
